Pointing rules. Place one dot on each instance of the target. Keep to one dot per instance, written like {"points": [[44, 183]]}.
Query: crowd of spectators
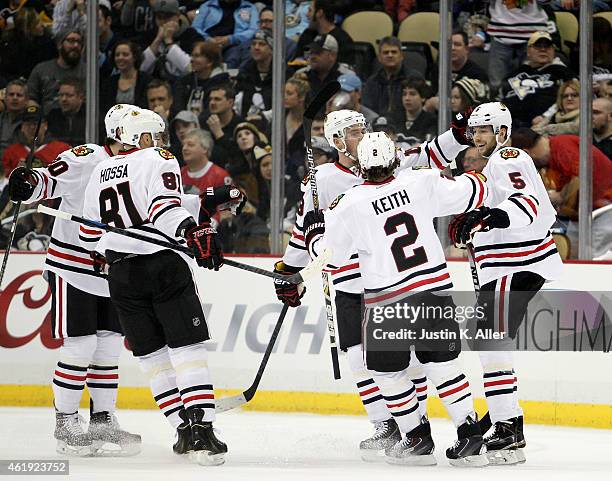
{"points": [[206, 68]]}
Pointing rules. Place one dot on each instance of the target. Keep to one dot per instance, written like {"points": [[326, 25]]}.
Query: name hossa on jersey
{"points": [[138, 190], [66, 178], [527, 245], [390, 226], [334, 179]]}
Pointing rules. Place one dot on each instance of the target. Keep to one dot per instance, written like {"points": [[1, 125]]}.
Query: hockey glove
{"points": [[314, 226], [99, 262], [287, 292], [226, 197], [203, 241], [21, 184], [481, 220], [459, 126], [454, 227]]}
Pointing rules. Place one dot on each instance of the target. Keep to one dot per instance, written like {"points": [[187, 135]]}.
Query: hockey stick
{"points": [[28, 165], [232, 402], [307, 272], [327, 92]]}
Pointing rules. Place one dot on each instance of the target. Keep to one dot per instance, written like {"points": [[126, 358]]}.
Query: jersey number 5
{"points": [[402, 261], [109, 206], [517, 182]]}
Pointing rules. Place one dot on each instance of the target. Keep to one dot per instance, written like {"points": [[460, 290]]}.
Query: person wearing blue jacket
{"points": [[228, 23]]}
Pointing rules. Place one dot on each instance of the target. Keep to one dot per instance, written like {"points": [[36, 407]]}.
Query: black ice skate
{"points": [[72, 440], [207, 449], [108, 439], [416, 449], [505, 443], [386, 434], [469, 450], [184, 440]]}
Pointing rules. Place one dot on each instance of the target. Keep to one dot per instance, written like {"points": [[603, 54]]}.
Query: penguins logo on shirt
{"points": [[166, 154], [509, 153], [81, 151]]}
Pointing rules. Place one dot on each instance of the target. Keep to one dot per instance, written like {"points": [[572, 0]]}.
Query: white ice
{"points": [[300, 447]]}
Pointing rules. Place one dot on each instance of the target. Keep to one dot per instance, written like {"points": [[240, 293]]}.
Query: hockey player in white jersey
{"points": [[389, 222], [81, 313], [514, 251], [152, 287]]}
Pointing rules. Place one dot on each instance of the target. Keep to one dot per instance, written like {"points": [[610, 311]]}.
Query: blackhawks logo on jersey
{"points": [[335, 202], [509, 153], [81, 151], [166, 154]]}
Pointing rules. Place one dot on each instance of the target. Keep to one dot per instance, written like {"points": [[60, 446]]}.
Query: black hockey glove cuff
{"points": [[22, 183], [314, 226], [459, 126], [482, 220], [286, 292], [226, 197], [205, 245]]}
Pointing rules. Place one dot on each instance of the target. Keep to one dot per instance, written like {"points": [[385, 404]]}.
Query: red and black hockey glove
{"points": [[479, 220], [459, 126], [454, 228], [314, 226], [99, 262], [287, 292], [21, 184], [226, 197], [203, 241]]}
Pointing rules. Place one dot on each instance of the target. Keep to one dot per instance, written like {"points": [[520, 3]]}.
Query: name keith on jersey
{"points": [[390, 202], [116, 172]]}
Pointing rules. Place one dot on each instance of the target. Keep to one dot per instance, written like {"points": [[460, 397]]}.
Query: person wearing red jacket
{"points": [[199, 171]]}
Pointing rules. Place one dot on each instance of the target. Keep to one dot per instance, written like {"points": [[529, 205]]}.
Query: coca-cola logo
{"points": [[21, 290]]}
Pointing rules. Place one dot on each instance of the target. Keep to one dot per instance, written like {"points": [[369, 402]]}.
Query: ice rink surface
{"points": [[300, 447]]}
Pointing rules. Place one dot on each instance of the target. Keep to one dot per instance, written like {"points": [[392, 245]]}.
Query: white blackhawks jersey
{"points": [[390, 226], [139, 190], [334, 179], [66, 178], [527, 245]]}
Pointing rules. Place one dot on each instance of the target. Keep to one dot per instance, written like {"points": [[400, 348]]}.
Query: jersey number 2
{"points": [[402, 261], [109, 206]]}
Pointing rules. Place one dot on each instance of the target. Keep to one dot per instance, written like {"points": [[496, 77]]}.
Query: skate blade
{"points": [[106, 449], [506, 457], [205, 458], [372, 455], [414, 460], [73, 451], [476, 461]]}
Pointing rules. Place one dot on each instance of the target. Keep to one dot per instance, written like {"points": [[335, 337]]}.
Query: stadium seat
{"points": [[421, 27], [417, 56], [364, 59], [368, 27], [606, 15], [568, 29]]}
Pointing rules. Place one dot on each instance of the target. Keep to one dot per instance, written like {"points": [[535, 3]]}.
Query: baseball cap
{"points": [[324, 42], [260, 152], [32, 113], [105, 4], [266, 36], [166, 6], [186, 116], [320, 143], [537, 36], [349, 82]]}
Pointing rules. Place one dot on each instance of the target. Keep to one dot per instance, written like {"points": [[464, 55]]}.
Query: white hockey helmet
{"points": [[112, 117], [141, 121], [336, 124], [376, 149], [495, 114]]}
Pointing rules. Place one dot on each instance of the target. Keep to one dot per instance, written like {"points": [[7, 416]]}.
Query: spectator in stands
{"points": [[399, 9], [416, 122], [510, 26], [182, 123], [466, 93], [318, 125], [69, 15], [297, 19], [67, 123], [138, 21], [254, 80], [564, 116], [263, 173], [323, 66], [160, 100], [207, 70], [34, 43], [43, 83], [129, 84], [243, 165], [12, 107], [199, 171], [221, 122], [167, 56], [349, 97], [296, 91], [602, 125], [108, 38], [322, 152], [321, 25], [532, 89], [46, 153], [227, 23]]}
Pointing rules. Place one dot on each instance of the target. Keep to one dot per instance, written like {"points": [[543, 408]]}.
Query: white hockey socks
{"points": [[500, 385], [193, 378], [453, 389], [400, 397], [369, 393], [162, 379], [71, 372], [103, 372]]}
